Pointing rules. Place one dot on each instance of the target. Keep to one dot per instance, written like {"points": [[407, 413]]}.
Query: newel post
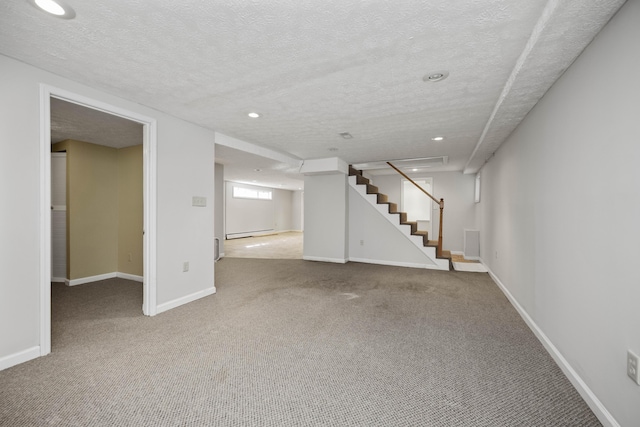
{"points": [[439, 248]]}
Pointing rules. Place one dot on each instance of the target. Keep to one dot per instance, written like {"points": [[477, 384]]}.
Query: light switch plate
{"points": [[199, 201]]}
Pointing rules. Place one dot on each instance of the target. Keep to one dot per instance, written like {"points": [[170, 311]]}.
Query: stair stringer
{"points": [[404, 229]]}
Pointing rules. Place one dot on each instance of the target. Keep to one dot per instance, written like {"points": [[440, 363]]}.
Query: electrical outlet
{"points": [[185, 266], [632, 366]]}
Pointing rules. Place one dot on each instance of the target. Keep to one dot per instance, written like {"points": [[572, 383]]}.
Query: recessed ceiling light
{"points": [[414, 170], [57, 8], [437, 76], [345, 135], [437, 138], [253, 115]]}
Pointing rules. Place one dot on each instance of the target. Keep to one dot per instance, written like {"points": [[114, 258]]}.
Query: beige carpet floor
{"points": [[286, 245], [294, 343]]}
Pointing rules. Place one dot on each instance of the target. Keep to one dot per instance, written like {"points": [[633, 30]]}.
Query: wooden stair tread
{"points": [[420, 233]]}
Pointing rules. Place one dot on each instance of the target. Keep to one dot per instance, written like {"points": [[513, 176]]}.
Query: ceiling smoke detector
{"points": [[437, 76]]}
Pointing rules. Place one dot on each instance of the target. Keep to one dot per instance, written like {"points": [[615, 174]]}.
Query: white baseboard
{"points": [[185, 300], [589, 397], [130, 277], [394, 263], [323, 259], [250, 234], [83, 280], [19, 357], [59, 280]]}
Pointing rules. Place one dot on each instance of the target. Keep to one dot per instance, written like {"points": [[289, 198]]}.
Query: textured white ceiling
{"points": [[316, 68], [249, 168], [72, 121]]}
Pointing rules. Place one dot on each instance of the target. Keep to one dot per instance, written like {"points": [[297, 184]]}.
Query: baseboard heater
{"points": [[254, 233]]}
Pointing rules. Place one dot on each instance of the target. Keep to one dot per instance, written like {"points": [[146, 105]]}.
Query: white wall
{"points": [[283, 202], [455, 188], [325, 217], [185, 159], [373, 239], [249, 215], [297, 212], [568, 171]]}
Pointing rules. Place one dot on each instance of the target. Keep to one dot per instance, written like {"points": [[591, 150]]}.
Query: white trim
{"points": [[149, 168], [471, 267], [185, 299], [150, 143], [19, 357], [396, 264], [59, 280], [45, 221], [89, 279], [99, 277], [130, 277], [257, 233], [590, 398], [323, 259]]}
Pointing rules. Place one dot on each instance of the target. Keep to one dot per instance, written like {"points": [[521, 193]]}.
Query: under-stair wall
{"points": [[373, 239], [392, 240]]}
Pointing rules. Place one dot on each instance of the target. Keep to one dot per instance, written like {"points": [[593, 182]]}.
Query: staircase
{"points": [[400, 218]]}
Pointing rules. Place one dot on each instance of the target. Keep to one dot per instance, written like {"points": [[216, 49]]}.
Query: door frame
{"points": [[149, 149]]}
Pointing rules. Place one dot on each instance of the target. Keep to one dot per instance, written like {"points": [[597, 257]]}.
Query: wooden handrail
{"points": [[413, 182], [439, 202]]}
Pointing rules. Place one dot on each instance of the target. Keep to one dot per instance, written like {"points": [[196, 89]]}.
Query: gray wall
{"points": [[568, 171], [455, 188]]}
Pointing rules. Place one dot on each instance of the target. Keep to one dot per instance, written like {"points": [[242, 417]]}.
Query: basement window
{"points": [[250, 193]]}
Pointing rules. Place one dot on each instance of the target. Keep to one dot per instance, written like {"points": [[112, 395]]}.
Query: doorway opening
{"points": [[418, 205], [51, 95]]}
